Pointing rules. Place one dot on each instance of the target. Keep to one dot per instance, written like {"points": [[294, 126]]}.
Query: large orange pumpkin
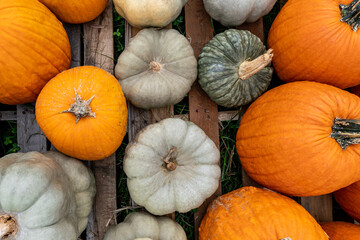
{"points": [[349, 199], [300, 139], [76, 11], [82, 111], [251, 213], [341, 230], [311, 43], [34, 48]]}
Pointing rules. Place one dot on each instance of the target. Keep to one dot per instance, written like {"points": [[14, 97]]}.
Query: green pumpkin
{"points": [[234, 68]]}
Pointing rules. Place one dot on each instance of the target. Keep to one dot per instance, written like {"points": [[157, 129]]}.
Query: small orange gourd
{"points": [[341, 230], [34, 47], [76, 11], [301, 139], [317, 40], [82, 111], [349, 199], [251, 213]]}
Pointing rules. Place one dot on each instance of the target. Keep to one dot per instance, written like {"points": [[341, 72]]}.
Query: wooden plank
{"points": [[8, 116], [255, 28], [99, 52], [74, 33], [320, 207], [203, 111], [29, 135]]}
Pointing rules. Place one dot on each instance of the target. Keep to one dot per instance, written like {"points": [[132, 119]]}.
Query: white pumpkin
{"points": [[149, 13], [144, 226], [157, 68], [235, 12], [44, 197], [171, 166]]}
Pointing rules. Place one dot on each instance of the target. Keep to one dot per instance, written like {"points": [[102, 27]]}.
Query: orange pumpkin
{"points": [[349, 199], [341, 230], [251, 213], [300, 139], [76, 11], [34, 48], [82, 111], [311, 43]]}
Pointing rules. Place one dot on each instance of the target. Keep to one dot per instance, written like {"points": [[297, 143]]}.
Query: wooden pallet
{"points": [[92, 44]]}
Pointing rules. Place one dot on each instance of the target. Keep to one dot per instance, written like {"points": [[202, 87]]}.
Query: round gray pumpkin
{"points": [[233, 68]]}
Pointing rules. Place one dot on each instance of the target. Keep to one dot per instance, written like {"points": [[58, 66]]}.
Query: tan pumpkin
{"points": [[34, 47], [144, 226], [82, 111], [251, 213], [76, 11], [44, 196], [148, 13], [157, 68]]}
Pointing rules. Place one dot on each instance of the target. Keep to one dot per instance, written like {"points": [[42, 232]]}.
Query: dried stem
{"points": [[7, 226], [155, 66], [169, 159], [249, 68]]}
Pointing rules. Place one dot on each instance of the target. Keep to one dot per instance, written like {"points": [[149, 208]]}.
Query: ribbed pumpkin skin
{"points": [[349, 199], [76, 11], [90, 138], [34, 48], [251, 213], [341, 230], [219, 64], [284, 139], [310, 43]]}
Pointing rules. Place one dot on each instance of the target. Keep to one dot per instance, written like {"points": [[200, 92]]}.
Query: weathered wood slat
{"points": [[29, 135], [8, 116], [74, 33], [203, 111], [320, 207], [99, 52]]}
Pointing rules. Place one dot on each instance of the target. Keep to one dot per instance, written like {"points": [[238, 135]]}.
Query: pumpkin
{"points": [[25, 64], [251, 213], [341, 230], [349, 199], [82, 111], [157, 68], [317, 41], [76, 11], [44, 196], [301, 139], [147, 13], [171, 166], [235, 12], [233, 68], [142, 225]]}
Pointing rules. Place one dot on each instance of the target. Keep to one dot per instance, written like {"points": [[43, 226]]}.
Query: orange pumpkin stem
{"points": [[8, 226], [81, 108], [351, 14], [169, 159], [155, 66], [346, 132], [249, 68]]}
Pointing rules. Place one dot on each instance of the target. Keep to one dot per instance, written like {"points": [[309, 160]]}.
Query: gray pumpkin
{"points": [[234, 68]]}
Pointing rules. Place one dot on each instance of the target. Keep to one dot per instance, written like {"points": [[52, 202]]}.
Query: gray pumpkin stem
{"points": [[351, 14], [81, 108], [8, 226], [346, 132], [169, 159], [249, 68], [287, 238], [155, 66]]}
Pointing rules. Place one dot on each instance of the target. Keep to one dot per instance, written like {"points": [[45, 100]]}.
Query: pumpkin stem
{"points": [[287, 238], [155, 66], [169, 159], [351, 14], [346, 132], [7, 226], [80, 108], [249, 68]]}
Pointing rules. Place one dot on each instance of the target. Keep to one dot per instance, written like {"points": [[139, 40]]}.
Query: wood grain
{"points": [[99, 52], [320, 207], [203, 111], [29, 135]]}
